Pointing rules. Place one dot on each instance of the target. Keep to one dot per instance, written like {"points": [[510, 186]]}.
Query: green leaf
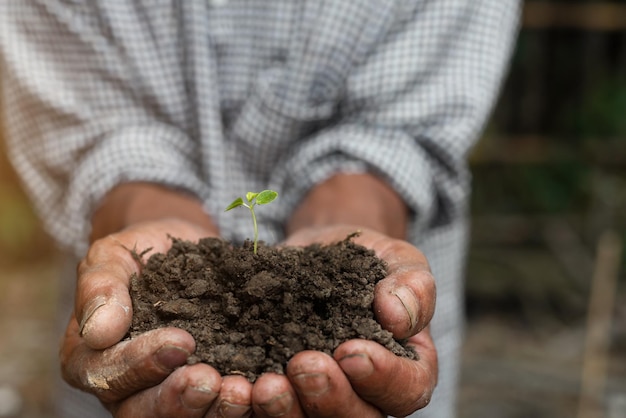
{"points": [[250, 196], [236, 203], [266, 196]]}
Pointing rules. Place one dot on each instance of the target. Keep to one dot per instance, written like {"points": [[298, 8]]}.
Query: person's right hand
{"points": [[141, 377], [147, 376]]}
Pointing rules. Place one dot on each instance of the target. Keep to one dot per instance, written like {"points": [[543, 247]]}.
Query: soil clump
{"points": [[249, 314]]}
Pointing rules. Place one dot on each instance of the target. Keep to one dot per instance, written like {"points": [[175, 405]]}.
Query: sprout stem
{"points": [[256, 230]]}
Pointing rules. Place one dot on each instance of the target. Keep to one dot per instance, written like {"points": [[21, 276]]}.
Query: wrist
{"points": [[362, 200], [131, 203]]}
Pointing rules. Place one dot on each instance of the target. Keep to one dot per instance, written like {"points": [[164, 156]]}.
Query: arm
{"points": [[364, 372], [100, 136], [132, 203], [409, 110], [142, 376], [409, 114], [363, 376], [357, 199], [87, 107]]}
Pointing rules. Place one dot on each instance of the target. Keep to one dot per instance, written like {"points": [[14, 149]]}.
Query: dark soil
{"points": [[248, 313]]}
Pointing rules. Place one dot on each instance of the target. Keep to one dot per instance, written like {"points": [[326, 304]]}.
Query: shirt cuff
{"points": [[151, 153], [390, 154]]}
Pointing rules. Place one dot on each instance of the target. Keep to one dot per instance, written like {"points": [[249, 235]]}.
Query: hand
{"points": [[363, 378], [141, 377]]}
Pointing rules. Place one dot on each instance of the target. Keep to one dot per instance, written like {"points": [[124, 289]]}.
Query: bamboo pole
{"points": [[599, 16], [599, 318]]}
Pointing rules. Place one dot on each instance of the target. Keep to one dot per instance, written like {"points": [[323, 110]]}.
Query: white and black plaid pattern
{"points": [[221, 97]]}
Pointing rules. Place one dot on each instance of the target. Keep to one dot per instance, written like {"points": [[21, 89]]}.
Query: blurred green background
{"points": [[549, 181]]}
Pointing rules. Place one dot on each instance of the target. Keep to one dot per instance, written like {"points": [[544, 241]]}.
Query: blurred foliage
{"points": [[22, 238], [530, 188], [556, 144], [603, 114], [567, 85], [17, 223]]}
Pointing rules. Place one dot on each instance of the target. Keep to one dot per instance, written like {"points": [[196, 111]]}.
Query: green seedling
{"points": [[261, 198]]}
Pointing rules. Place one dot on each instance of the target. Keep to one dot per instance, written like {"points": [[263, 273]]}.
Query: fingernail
{"points": [[312, 384], [170, 357], [279, 405], [357, 366], [90, 310], [409, 302], [197, 397], [233, 410]]}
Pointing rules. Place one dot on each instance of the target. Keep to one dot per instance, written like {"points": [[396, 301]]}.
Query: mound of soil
{"points": [[248, 313]]}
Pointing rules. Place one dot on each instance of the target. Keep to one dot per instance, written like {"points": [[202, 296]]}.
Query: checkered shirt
{"points": [[221, 97]]}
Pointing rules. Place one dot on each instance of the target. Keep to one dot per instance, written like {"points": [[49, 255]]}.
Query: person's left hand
{"points": [[363, 378]]}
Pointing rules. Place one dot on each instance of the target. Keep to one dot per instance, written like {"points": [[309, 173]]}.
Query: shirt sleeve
{"points": [[410, 111], [94, 95]]}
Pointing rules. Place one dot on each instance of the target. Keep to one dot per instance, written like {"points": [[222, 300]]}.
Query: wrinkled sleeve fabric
{"points": [[411, 107], [93, 96]]}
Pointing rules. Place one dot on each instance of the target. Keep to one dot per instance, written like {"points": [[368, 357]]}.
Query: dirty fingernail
{"points": [[279, 405], [409, 302], [170, 357], [312, 384], [197, 397], [90, 310], [232, 410], [357, 366]]}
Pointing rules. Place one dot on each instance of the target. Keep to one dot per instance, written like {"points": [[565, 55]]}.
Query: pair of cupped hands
{"points": [[148, 376]]}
